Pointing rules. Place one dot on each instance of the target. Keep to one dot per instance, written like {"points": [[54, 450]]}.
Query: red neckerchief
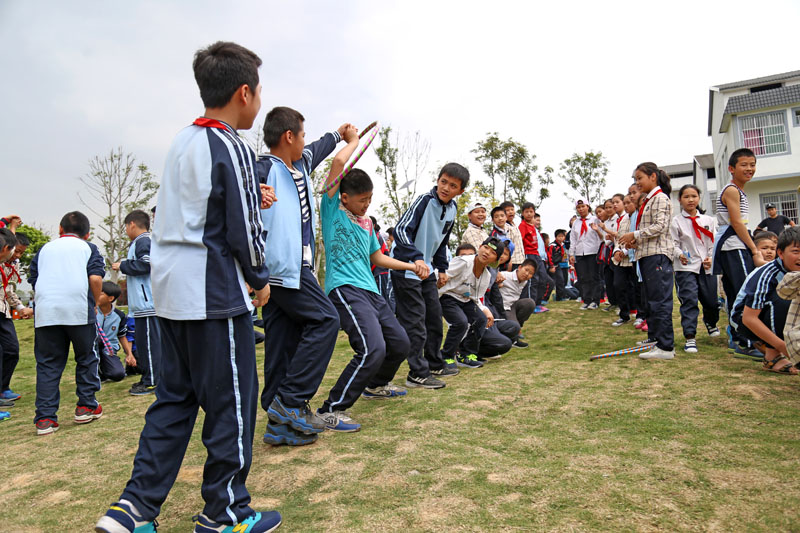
{"points": [[646, 199], [13, 272], [5, 279], [584, 227], [699, 230], [204, 122]]}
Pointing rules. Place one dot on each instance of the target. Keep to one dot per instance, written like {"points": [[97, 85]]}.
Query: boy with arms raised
{"points": [[66, 275], [351, 244], [207, 246], [421, 237], [300, 322], [140, 301]]}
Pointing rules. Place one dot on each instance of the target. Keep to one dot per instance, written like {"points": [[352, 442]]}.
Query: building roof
{"points": [[682, 168], [705, 160], [762, 99], [759, 81]]}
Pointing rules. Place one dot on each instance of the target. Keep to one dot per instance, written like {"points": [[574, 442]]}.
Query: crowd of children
{"points": [[235, 230]]}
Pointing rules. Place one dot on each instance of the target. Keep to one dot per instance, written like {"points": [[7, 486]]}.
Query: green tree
{"points": [[38, 237], [490, 154], [585, 175], [120, 184]]}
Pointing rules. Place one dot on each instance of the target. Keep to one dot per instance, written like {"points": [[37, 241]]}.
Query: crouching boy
{"points": [[112, 330]]}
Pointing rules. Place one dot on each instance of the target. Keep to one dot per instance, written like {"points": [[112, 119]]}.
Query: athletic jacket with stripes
{"points": [[207, 238], [137, 269], [282, 221], [424, 231]]}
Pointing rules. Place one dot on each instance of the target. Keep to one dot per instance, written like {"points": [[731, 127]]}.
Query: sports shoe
{"points": [[592, 306], [278, 434], [300, 418], [468, 361], [543, 303], [748, 353], [540, 309], [10, 395], [620, 321], [645, 327], [657, 353], [429, 382], [140, 389], [450, 369], [45, 426], [120, 518], [637, 323], [6, 403], [4, 415], [519, 344], [609, 308], [258, 522], [713, 331], [584, 307], [648, 340], [386, 391], [84, 415], [690, 346], [339, 421]]}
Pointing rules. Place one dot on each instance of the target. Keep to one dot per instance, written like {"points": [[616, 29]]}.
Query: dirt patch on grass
{"points": [[190, 474], [754, 391], [57, 496]]}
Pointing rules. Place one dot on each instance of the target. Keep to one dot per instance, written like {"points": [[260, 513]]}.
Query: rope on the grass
{"points": [[624, 351], [374, 127]]}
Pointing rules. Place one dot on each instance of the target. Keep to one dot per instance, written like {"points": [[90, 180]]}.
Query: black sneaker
{"points": [[140, 389], [620, 321], [647, 341], [450, 369], [519, 344], [429, 382], [468, 361]]}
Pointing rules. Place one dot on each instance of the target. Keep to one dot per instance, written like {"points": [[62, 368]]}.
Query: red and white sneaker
{"points": [[45, 426], [84, 415]]}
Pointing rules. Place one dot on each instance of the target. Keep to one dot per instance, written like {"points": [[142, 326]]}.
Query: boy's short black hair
{"points": [[528, 205], [764, 235], [112, 290], [789, 237], [390, 231], [465, 246], [75, 222], [560, 232], [355, 182], [139, 218], [506, 204], [459, 172], [529, 262], [537, 215], [7, 238], [545, 237], [22, 239], [221, 69], [280, 120], [496, 209], [741, 152]]}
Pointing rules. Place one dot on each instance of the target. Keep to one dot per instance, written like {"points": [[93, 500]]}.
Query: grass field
{"points": [[540, 440]]}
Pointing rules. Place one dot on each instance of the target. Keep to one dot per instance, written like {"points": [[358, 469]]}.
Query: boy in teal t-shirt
{"points": [[351, 245]]}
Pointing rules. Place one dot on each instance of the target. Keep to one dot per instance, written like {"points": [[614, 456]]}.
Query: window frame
{"points": [[786, 137]]}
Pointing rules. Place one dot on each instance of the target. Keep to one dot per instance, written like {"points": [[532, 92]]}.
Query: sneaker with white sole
{"points": [[592, 306], [46, 426], [638, 322], [519, 344], [690, 346], [450, 368], [429, 382], [619, 322], [713, 331], [584, 307], [258, 522], [339, 421], [646, 341], [468, 361], [385, 391], [121, 518], [84, 415], [657, 353]]}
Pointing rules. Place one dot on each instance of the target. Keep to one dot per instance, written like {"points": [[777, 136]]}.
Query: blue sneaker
{"points": [[10, 395], [386, 391], [748, 353], [300, 418], [4, 415], [259, 522], [543, 309], [120, 518], [339, 421], [283, 434]]}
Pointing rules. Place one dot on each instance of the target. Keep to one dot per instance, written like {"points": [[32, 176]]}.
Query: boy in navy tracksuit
{"points": [[351, 244], [300, 322], [421, 237], [67, 276], [112, 333], [140, 301], [207, 244]]}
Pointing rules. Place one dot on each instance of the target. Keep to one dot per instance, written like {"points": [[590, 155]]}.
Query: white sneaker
{"points": [[637, 322], [690, 346], [584, 306], [657, 353], [592, 306]]}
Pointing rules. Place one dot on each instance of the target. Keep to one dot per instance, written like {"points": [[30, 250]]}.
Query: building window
{"points": [[764, 134], [796, 116], [785, 202], [712, 175]]}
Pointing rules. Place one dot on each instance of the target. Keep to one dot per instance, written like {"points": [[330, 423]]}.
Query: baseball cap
{"points": [[475, 206], [580, 201], [770, 206], [495, 244]]}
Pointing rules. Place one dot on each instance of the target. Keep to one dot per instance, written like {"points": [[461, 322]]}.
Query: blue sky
{"points": [[629, 79]]}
